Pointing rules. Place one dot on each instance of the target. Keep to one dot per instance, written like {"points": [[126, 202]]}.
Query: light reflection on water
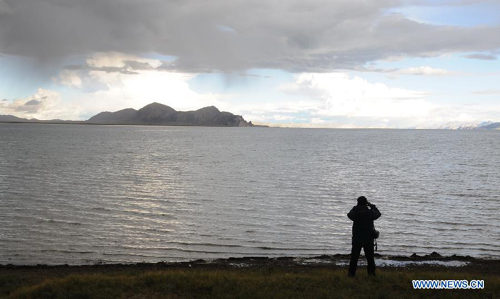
{"points": [[82, 194]]}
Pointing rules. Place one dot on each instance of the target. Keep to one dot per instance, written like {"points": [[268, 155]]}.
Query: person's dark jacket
{"points": [[363, 218]]}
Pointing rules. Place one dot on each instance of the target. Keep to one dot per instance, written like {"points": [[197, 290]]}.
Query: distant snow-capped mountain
{"points": [[487, 125]]}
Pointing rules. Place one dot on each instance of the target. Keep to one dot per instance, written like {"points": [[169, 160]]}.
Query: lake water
{"points": [[100, 194]]}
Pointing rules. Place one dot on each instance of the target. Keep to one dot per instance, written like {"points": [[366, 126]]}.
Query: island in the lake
{"points": [[154, 114]]}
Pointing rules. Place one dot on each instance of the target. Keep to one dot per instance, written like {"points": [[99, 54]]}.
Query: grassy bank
{"points": [[235, 283]]}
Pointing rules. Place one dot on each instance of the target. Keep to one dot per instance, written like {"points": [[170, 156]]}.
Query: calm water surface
{"points": [[85, 194]]}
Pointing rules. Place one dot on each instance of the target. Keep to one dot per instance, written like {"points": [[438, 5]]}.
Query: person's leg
{"points": [[370, 259], [353, 264]]}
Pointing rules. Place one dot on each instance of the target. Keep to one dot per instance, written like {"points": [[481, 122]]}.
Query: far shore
{"points": [[111, 124]]}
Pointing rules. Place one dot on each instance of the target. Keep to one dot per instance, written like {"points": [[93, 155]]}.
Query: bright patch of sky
{"points": [[255, 86], [14, 83], [474, 14], [21, 77], [467, 77]]}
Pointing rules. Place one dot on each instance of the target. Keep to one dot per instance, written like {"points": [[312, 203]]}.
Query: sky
{"points": [[289, 63]]}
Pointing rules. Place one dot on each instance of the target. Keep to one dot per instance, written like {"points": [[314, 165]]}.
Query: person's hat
{"points": [[362, 201]]}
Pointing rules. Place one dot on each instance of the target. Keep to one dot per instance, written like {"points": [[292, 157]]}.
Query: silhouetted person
{"points": [[363, 216]]}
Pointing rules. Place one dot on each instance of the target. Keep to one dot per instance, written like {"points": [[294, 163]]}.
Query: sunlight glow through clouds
{"points": [[136, 91], [113, 86], [132, 88], [356, 97], [425, 71], [45, 104]]}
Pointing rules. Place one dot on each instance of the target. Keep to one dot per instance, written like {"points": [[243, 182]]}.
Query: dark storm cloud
{"points": [[129, 67], [108, 69], [480, 56], [227, 36], [137, 65], [32, 103]]}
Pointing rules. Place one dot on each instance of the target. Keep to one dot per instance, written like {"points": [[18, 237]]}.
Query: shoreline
{"points": [[430, 261], [131, 124]]}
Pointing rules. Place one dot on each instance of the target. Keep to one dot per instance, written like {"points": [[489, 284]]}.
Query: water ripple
{"points": [[85, 194]]}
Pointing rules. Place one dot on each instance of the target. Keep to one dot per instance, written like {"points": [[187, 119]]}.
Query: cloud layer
{"points": [[316, 99], [44, 104], [113, 54], [340, 100], [219, 35]]}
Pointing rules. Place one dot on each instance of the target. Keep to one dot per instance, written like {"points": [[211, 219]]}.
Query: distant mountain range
{"points": [[481, 126], [492, 126], [154, 114], [159, 114], [15, 119]]}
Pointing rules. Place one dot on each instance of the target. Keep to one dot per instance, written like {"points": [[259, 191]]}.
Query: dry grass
{"points": [[241, 283]]}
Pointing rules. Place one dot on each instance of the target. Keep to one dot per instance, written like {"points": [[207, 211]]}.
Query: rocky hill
{"points": [[159, 114]]}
